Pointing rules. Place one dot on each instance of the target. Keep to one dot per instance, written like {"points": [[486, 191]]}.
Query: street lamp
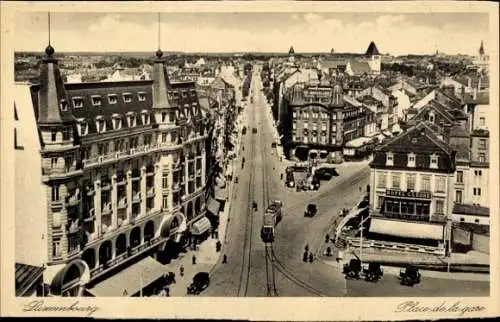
{"points": [[449, 225]]}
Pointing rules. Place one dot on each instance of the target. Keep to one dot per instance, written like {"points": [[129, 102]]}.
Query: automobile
{"points": [[311, 210], [373, 273], [200, 282], [254, 130], [352, 269], [409, 276], [323, 174]]}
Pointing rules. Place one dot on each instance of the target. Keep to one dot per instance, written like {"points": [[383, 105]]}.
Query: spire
{"points": [[481, 49], [291, 51], [53, 103], [161, 83], [372, 50]]}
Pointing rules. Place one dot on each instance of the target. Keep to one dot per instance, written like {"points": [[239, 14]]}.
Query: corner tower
{"points": [[374, 59]]}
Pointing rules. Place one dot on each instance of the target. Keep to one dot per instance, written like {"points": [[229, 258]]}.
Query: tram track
{"points": [[248, 229]]}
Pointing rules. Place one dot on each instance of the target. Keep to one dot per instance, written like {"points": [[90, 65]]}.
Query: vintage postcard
{"points": [[250, 160]]}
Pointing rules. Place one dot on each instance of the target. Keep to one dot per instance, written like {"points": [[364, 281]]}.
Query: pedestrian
{"points": [[167, 291], [359, 188], [310, 257], [304, 257], [281, 176], [306, 248], [181, 269], [194, 260], [327, 238], [224, 259]]}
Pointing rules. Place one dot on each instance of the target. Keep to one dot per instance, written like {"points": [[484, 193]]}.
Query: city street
{"points": [[246, 272]]}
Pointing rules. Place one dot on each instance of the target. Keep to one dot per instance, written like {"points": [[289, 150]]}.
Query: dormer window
{"points": [[131, 121], [113, 99], [64, 105], [434, 161], [96, 100], [389, 159], [145, 117], [411, 160], [82, 127], [78, 102], [184, 94], [141, 96], [100, 124], [117, 121], [127, 97]]}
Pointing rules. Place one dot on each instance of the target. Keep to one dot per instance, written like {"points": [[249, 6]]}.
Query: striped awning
{"points": [[201, 226]]}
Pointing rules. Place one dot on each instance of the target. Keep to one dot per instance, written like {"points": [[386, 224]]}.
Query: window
{"points": [[305, 115], [482, 157], [305, 140], [117, 123], [96, 100], [476, 191], [53, 162], [478, 172], [53, 135], [55, 193], [86, 152], [131, 120], [294, 125], [482, 121], [112, 99], [410, 182], [147, 139], [396, 181], [101, 125], [380, 202], [482, 144], [294, 114], [83, 128], [164, 181], [460, 176], [440, 184], [164, 137], [323, 126], [458, 196], [306, 124], [56, 247], [382, 180], [434, 161], [315, 126], [66, 135], [77, 102], [68, 162], [411, 160], [389, 159], [145, 118], [164, 117], [426, 183], [141, 96], [334, 116], [127, 97], [314, 139], [334, 128], [64, 105], [439, 206]]}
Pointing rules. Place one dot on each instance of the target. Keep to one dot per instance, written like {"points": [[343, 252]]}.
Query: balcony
{"points": [[105, 184], [136, 197], [91, 216], [136, 175], [122, 203], [60, 172], [106, 209], [73, 199], [150, 171], [176, 187], [73, 226], [90, 191]]}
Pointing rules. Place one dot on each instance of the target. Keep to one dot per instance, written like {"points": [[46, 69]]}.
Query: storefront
{"points": [[200, 230], [406, 229], [406, 205]]}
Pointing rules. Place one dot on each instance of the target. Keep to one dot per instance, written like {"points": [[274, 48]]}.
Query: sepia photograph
{"points": [[249, 153]]}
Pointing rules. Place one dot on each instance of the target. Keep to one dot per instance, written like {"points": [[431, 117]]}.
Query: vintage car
{"points": [[373, 273], [352, 269], [311, 210], [409, 276], [200, 282]]}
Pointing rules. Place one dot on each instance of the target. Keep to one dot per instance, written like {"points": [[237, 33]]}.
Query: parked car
{"points": [[353, 269], [200, 282], [254, 130], [373, 273], [409, 276], [311, 210]]}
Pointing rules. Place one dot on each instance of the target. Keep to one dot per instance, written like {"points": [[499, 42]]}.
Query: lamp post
{"points": [[361, 236], [449, 225]]}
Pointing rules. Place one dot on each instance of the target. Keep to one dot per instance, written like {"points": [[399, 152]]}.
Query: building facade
{"points": [[122, 172], [412, 180]]}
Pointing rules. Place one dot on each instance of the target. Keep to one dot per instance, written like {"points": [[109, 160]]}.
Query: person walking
{"points": [[224, 259], [306, 248], [193, 259], [304, 257], [327, 238], [310, 258], [181, 269]]}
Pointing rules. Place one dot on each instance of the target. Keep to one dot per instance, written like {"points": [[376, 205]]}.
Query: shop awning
{"points": [[359, 142], [213, 206], [201, 226], [406, 229], [130, 280], [221, 194]]}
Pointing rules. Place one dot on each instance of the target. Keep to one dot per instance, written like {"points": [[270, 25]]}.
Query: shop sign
{"points": [[409, 194]]}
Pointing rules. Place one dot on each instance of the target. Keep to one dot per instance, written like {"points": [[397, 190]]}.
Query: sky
{"points": [[393, 33]]}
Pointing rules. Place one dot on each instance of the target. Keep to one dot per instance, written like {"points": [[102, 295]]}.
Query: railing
{"points": [[356, 243], [118, 155], [176, 187], [105, 184], [121, 180]]}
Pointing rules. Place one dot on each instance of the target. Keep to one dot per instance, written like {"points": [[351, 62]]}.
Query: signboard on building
{"points": [[409, 194], [318, 92]]}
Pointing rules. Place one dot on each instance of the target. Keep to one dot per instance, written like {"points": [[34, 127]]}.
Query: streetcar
{"points": [[272, 216]]}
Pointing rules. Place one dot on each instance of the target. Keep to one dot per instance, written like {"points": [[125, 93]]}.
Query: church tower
{"points": [[482, 55], [374, 59], [291, 55]]}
